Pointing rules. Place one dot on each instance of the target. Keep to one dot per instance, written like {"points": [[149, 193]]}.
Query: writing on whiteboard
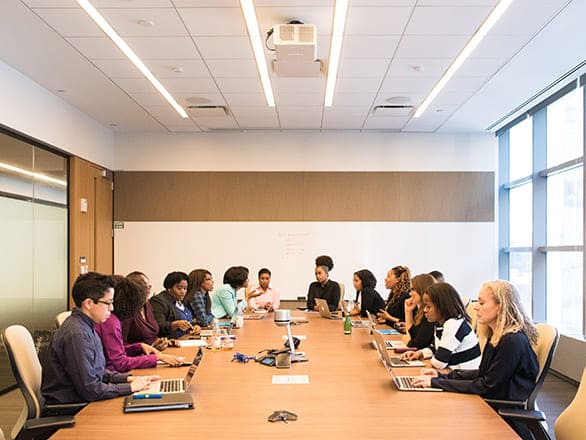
{"points": [[292, 243]]}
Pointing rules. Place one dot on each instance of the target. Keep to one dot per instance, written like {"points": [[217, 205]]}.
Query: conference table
{"points": [[349, 395]]}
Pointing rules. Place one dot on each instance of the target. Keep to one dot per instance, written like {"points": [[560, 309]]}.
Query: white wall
{"points": [[306, 152], [29, 108]]}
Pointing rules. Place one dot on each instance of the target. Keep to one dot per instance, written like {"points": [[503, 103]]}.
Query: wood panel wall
{"points": [[305, 196], [90, 233]]}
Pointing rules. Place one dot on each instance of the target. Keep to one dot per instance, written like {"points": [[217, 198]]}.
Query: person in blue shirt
{"points": [[224, 301], [201, 283]]}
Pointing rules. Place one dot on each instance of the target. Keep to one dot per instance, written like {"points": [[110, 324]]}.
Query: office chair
{"points": [[33, 422], [526, 413], [571, 424], [61, 317]]}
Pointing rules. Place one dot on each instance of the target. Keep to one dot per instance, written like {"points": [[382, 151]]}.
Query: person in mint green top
{"points": [[224, 300]]}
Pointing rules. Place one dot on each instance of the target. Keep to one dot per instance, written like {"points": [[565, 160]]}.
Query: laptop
{"points": [[393, 361], [371, 328], [176, 385], [165, 402], [403, 383], [324, 310]]}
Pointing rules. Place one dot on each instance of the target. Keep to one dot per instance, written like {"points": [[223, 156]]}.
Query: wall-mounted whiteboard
{"points": [[464, 252]]}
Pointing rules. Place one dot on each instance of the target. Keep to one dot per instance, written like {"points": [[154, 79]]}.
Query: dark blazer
{"points": [[165, 313]]}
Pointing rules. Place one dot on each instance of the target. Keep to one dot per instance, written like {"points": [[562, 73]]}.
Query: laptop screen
{"points": [[193, 367]]}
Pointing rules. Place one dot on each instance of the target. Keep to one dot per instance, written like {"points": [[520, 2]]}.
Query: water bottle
{"points": [[347, 324], [216, 335]]}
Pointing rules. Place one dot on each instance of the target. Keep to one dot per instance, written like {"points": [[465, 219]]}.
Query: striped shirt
{"points": [[455, 346]]}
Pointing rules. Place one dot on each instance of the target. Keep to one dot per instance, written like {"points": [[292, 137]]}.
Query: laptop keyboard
{"points": [[405, 381], [171, 386]]}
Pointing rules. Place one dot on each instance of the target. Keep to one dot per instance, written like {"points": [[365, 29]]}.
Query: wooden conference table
{"points": [[349, 395]]}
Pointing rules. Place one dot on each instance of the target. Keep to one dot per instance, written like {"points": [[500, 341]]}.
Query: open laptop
{"points": [[176, 385], [324, 310], [371, 328], [393, 361], [403, 383]]}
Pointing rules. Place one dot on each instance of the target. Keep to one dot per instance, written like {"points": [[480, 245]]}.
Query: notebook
{"points": [[394, 361], [324, 310], [177, 385], [165, 402], [403, 383]]}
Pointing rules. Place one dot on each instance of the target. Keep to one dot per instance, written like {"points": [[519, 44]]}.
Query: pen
{"points": [[148, 396]]}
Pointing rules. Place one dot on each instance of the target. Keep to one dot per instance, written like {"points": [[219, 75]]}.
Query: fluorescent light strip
{"points": [[37, 176], [335, 49], [484, 28], [257, 47], [111, 33]]}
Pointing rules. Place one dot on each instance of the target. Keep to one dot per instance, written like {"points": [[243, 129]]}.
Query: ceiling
{"points": [[200, 52]]}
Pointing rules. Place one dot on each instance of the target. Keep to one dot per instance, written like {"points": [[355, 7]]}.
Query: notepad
{"points": [[291, 379], [192, 343]]}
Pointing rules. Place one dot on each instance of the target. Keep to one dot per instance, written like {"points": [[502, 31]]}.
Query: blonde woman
{"points": [[398, 281], [509, 367]]}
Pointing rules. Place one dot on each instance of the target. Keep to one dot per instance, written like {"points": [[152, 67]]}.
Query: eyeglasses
{"points": [[106, 303]]}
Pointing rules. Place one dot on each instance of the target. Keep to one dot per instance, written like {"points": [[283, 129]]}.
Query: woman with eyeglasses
{"points": [[398, 281], [201, 283], [509, 366], [125, 357]]}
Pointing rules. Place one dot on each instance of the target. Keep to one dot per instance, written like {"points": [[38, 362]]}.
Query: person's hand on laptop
{"points": [[412, 355], [172, 361], [422, 381], [138, 383], [182, 325], [429, 372], [148, 349]]}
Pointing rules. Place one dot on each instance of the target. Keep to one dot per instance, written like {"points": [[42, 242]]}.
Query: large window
{"points": [[541, 195]]}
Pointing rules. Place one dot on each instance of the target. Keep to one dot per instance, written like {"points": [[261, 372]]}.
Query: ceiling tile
{"points": [[299, 85], [253, 112], [72, 22], [215, 123], [360, 99], [247, 99], [416, 67], [345, 122], [408, 85], [362, 68], [357, 85], [214, 21], [163, 47], [428, 46], [370, 46], [241, 68], [236, 85], [136, 22], [118, 68], [205, 3], [377, 20], [224, 47], [189, 85], [177, 68], [167, 115], [456, 20], [298, 99], [96, 48], [390, 123]]}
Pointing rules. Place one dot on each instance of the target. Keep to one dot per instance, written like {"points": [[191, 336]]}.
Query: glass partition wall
{"points": [[33, 237]]}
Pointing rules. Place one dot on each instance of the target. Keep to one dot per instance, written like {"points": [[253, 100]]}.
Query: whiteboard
{"points": [[465, 252]]}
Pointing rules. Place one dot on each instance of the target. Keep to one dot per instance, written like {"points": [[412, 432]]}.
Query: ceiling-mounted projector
{"points": [[295, 46]]}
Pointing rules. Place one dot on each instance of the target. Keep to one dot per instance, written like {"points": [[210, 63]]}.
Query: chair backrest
{"points": [[547, 342], [471, 310], [26, 367], [61, 317], [571, 424]]}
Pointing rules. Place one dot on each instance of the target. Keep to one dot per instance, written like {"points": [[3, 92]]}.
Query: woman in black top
{"points": [[509, 367], [366, 297], [398, 281], [324, 287], [416, 324]]}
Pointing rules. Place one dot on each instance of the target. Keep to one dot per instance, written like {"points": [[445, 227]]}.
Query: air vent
{"points": [[295, 42], [392, 110], [208, 111]]}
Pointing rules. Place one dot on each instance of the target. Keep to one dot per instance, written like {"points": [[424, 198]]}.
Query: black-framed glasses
{"points": [[106, 303]]}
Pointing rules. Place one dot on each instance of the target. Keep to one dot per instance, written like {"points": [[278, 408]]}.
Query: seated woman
{"points": [[201, 283], [263, 296], [419, 329], [455, 345], [509, 367], [224, 301], [398, 281], [174, 316], [367, 299], [324, 287], [121, 357]]}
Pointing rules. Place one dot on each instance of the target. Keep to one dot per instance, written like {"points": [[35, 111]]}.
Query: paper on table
{"points": [[192, 343], [290, 379], [300, 337]]}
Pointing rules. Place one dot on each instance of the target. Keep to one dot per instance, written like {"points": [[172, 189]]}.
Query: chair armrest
{"points": [[497, 404], [63, 409], [46, 423], [522, 415]]}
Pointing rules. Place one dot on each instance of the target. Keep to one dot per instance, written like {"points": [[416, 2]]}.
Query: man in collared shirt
{"points": [[263, 296], [75, 369]]}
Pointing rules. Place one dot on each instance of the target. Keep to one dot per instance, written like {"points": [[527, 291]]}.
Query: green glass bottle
{"points": [[347, 325]]}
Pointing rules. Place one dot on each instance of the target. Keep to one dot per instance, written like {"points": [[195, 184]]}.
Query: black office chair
{"points": [[37, 420], [526, 414]]}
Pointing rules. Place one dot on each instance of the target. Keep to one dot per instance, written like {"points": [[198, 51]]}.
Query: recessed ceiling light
{"points": [[398, 100], [146, 23], [198, 100]]}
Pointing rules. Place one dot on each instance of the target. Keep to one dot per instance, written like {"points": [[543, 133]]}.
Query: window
{"points": [[542, 189]]}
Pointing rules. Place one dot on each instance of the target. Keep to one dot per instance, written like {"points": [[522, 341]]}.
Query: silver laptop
{"points": [[176, 385], [393, 361], [371, 328], [324, 310], [403, 383]]}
